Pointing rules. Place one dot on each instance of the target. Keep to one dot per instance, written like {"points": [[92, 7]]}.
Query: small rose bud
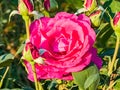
{"points": [[90, 5], [96, 18], [116, 23], [47, 4], [50, 5], [30, 52], [25, 7]]}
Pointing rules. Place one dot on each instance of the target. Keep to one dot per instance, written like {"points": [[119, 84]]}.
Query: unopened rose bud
{"points": [[30, 52], [50, 5], [96, 18], [116, 23], [25, 7], [47, 4], [90, 5]]}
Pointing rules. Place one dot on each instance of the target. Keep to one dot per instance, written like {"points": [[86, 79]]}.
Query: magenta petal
{"points": [[95, 59], [29, 5]]}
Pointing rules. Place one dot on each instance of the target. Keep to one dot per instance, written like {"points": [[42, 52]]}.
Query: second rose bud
{"points": [[25, 7], [116, 24], [95, 18]]}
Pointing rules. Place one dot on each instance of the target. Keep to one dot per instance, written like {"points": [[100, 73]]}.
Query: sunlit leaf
{"points": [[91, 79], [6, 60], [75, 4], [82, 78], [105, 31], [115, 6], [20, 49]]}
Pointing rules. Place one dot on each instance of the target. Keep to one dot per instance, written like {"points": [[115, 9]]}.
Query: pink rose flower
{"points": [[68, 43]]}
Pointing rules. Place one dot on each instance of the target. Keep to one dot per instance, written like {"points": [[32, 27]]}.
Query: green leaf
{"points": [[82, 78], [112, 5], [75, 4], [91, 79], [105, 31], [1, 45], [52, 85], [27, 88], [53, 5], [20, 49], [14, 12], [6, 59], [79, 78], [115, 6], [117, 85], [12, 89]]}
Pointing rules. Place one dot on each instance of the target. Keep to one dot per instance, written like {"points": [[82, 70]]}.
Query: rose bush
{"points": [[67, 41]]}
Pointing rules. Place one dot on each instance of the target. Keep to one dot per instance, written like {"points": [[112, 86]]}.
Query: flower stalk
{"points": [[27, 24], [38, 85], [34, 74], [114, 56]]}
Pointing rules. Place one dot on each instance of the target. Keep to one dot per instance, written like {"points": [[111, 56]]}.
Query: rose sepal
{"points": [[81, 10], [95, 18], [27, 55], [22, 8], [14, 12]]}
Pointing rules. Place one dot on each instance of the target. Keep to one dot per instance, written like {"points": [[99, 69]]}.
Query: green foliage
{"points": [[87, 79], [117, 85], [6, 59], [105, 31], [53, 5], [114, 6], [20, 49], [75, 4]]}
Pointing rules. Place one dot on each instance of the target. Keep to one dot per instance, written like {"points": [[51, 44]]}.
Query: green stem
{"points": [[35, 76], [114, 57], [38, 85], [1, 82], [27, 24]]}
